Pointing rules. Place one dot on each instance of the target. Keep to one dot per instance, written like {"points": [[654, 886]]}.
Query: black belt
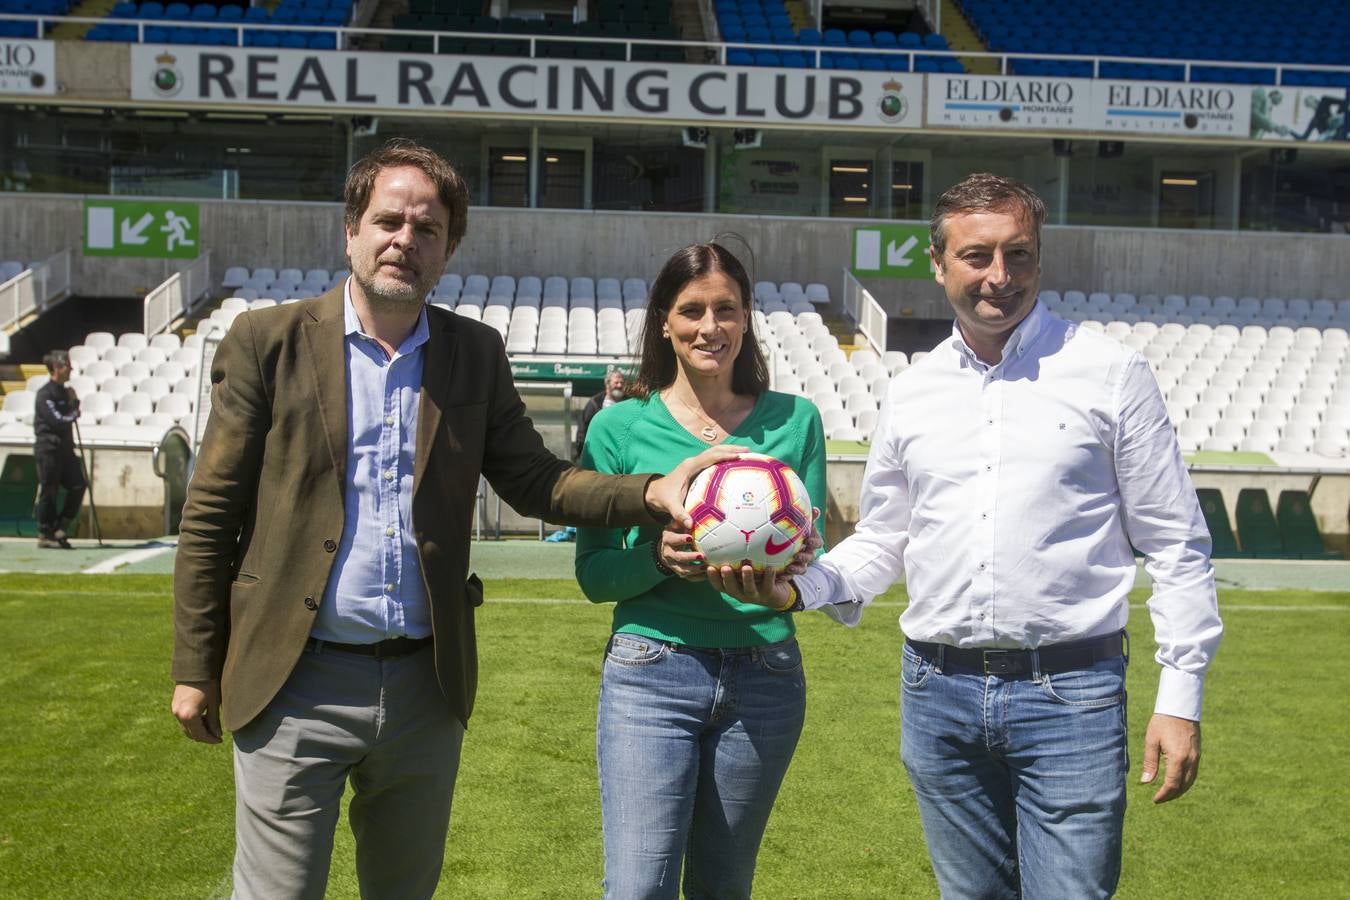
{"points": [[1053, 658], [399, 646]]}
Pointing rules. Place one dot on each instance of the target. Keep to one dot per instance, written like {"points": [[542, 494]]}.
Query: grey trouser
{"points": [[380, 722]]}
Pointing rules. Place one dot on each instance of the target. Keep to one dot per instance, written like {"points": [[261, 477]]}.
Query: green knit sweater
{"points": [[615, 565]]}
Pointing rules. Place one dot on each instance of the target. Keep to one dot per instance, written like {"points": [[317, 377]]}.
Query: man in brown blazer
{"points": [[323, 602]]}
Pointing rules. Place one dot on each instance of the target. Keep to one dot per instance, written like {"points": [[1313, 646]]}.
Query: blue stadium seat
{"points": [[935, 41], [859, 38], [231, 12], [885, 40], [833, 37], [898, 62], [177, 12], [123, 10], [294, 40], [151, 10], [204, 12], [809, 37], [794, 59], [767, 58], [257, 14], [739, 57], [336, 18], [323, 41]]}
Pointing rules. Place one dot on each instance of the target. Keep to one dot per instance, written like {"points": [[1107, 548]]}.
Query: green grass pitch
{"points": [[101, 796]]}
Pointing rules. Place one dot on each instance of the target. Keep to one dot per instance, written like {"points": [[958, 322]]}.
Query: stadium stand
{"points": [[469, 31], [179, 23], [797, 45], [1082, 28]]}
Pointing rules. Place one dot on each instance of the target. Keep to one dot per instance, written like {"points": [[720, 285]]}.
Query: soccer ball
{"points": [[749, 510]]}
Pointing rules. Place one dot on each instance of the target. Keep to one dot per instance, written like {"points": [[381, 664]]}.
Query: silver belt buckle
{"points": [[997, 662]]}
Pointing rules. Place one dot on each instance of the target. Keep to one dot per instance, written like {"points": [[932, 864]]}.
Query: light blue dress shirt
{"points": [[375, 590]]}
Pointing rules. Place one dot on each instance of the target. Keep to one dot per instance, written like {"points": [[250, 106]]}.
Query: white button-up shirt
{"points": [[1009, 495]]}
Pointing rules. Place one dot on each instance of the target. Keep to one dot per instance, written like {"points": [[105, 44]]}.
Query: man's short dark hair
{"points": [[55, 358], [985, 192], [450, 186]]}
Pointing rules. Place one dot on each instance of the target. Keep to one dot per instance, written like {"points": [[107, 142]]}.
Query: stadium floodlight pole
{"points": [[89, 484]]}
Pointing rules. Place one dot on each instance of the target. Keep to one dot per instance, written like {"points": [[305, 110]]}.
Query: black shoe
{"points": [[61, 540]]}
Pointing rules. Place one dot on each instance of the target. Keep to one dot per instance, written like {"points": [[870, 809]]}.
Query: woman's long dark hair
{"points": [[656, 371]]}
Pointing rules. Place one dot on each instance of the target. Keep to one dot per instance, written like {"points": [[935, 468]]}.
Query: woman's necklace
{"points": [[709, 430]]}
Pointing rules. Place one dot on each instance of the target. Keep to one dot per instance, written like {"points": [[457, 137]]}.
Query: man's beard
{"points": [[392, 295]]}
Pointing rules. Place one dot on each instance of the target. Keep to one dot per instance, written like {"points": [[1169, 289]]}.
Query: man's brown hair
{"points": [[985, 192], [450, 186]]}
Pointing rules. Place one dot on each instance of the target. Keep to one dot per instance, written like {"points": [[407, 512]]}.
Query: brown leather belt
{"points": [[388, 649], [1053, 658]]}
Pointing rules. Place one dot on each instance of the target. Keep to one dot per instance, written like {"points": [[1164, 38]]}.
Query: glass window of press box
{"points": [[1300, 188]]}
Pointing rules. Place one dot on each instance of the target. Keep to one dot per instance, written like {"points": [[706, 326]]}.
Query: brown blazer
{"points": [[264, 509]]}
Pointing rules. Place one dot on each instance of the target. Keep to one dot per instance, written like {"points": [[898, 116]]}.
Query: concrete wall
{"points": [[572, 242]]}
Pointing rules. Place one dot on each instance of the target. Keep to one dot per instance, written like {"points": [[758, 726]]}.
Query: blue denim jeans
{"points": [[692, 746], [1020, 779]]}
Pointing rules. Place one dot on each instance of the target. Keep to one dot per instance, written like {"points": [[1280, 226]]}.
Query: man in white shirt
{"points": [[1010, 473]]}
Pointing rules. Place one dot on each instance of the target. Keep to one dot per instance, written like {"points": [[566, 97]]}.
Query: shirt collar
{"points": [[1019, 342], [352, 323]]}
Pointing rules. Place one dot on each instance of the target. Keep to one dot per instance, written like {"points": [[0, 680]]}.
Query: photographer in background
{"points": [[54, 416]]}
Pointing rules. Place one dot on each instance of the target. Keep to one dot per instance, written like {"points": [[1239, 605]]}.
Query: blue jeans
{"points": [[692, 746], [1020, 779]]}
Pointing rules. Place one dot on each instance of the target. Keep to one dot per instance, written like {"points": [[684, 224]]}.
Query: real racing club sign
{"points": [[462, 85]]}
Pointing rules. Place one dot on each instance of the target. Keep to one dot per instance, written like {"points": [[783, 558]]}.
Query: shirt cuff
{"points": [[818, 591], [1180, 694]]}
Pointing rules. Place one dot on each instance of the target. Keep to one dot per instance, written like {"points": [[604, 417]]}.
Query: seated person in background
{"points": [[614, 392]]}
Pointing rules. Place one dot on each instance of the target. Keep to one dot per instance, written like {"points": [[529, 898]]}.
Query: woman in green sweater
{"points": [[702, 697]]}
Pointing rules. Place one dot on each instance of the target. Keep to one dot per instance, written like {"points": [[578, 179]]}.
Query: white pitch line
{"points": [[126, 559], [890, 604]]}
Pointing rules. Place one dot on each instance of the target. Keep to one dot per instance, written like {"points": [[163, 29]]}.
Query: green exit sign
{"points": [[891, 251], [159, 229]]}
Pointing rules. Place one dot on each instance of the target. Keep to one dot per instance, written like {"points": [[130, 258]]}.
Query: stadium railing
{"points": [[32, 289], [905, 60], [177, 296], [863, 308]]}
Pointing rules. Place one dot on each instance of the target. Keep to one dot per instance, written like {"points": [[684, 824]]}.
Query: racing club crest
{"points": [[167, 80], [893, 105]]}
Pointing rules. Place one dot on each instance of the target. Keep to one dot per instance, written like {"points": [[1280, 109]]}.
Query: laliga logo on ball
{"points": [[749, 510]]}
